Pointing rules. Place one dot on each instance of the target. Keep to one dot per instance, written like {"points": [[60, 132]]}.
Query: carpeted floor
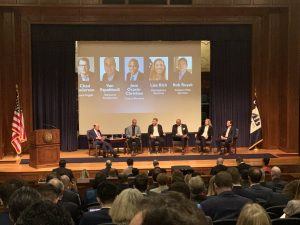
{"points": [[161, 158]]}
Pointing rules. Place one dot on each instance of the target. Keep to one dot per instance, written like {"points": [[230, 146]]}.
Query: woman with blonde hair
{"points": [[125, 206], [158, 70], [204, 134], [253, 214], [211, 190]]}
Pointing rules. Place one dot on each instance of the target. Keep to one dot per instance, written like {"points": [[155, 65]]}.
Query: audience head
{"points": [[113, 172], [177, 176], [235, 174], [266, 161], [211, 189], [66, 181], [52, 175], [182, 188], [49, 192], [155, 163], [130, 162], [45, 213], [220, 161], [223, 182], [275, 172], [125, 206], [20, 200], [99, 178], [239, 160], [8, 188], [106, 193], [253, 214], [108, 164], [62, 163], [58, 185], [292, 190], [169, 208], [255, 175], [162, 179], [141, 183], [196, 185]]}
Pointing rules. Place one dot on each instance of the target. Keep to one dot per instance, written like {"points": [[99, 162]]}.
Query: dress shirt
{"points": [[205, 133], [134, 76], [155, 131], [85, 77], [181, 74], [227, 132], [97, 133], [179, 130]]}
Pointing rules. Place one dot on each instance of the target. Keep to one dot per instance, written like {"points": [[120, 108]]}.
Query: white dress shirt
{"points": [[179, 130], [155, 131], [205, 133]]}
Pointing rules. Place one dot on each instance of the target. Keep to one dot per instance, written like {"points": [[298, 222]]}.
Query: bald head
{"points": [[220, 161], [275, 172], [134, 122]]}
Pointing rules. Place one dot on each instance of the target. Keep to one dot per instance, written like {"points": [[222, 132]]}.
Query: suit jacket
{"points": [[226, 205], [140, 77], [260, 192], [70, 196], [243, 167], [231, 133], [187, 77], [117, 77], [183, 127], [92, 134], [64, 171], [159, 127], [128, 131], [96, 217], [218, 168], [276, 185], [73, 209], [201, 131]]}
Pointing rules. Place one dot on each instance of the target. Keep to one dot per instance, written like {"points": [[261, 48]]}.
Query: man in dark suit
{"points": [[62, 170], [156, 134], [134, 74], [111, 73], [242, 166], [133, 135], [180, 133], [96, 135], [226, 138], [183, 74], [277, 184], [219, 167], [227, 204], [83, 70], [106, 193], [205, 133]]}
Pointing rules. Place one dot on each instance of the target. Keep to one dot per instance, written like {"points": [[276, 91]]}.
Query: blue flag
{"points": [[255, 127]]}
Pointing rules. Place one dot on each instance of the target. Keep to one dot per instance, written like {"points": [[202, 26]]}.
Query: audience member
{"points": [[241, 165], [155, 173], [266, 166], [219, 167], [253, 214], [62, 170], [162, 180], [52, 175], [125, 206], [106, 194], [20, 200], [129, 170], [177, 176], [113, 173], [108, 167], [197, 189], [91, 194], [169, 208], [211, 192], [45, 213], [292, 189], [277, 184], [155, 165], [68, 195], [182, 188], [141, 183], [123, 182], [227, 204]]}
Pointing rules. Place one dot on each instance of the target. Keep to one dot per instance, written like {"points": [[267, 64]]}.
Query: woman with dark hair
{"points": [[158, 70]]}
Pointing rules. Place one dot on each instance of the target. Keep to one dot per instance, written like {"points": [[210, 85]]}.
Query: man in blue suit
{"points": [[96, 135]]}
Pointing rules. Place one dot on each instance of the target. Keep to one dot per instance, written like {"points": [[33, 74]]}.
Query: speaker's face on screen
{"points": [[83, 67], [133, 66], [159, 67], [182, 65], [109, 65]]}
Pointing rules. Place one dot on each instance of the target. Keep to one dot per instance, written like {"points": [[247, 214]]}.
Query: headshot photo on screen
{"points": [[85, 69], [158, 69], [183, 68], [134, 68], [109, 69]]}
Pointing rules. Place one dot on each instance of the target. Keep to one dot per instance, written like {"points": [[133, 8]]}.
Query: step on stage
{"points": [[79, 160]]}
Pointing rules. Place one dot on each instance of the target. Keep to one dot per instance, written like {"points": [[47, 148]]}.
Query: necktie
{"points": [[133, 130]]}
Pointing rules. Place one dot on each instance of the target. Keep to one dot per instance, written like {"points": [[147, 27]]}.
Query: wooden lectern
{"points": [[44, 148]]}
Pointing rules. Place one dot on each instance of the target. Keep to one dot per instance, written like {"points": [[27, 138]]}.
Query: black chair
{"points": [[286, 221], [296, 215], [92, 145], [277, 210], [207, 144], [273, 215], [225, 222]]}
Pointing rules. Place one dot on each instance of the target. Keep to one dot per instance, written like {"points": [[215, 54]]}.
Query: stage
{"points": [[11, 167]]}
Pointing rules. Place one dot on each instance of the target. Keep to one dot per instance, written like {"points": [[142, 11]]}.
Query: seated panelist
{"points": [[205, 133], [226, 138], [180, 133], [133, 135], [101, 140], [156, 134]]}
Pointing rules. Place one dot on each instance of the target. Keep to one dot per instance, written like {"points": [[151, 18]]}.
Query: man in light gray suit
{"points": [[133, 135]]}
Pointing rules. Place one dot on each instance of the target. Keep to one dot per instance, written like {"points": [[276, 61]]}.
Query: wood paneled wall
{"points": [[275, 50]]}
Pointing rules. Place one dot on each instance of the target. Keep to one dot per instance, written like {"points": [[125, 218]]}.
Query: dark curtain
{"points": [[54, 90], [231, 87]]}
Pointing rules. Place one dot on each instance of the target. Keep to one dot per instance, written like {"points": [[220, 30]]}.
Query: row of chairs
{"points": [[208, 145], [278, 221]]}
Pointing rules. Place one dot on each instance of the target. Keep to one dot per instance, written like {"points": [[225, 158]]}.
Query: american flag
{"points": [[18, 129]]}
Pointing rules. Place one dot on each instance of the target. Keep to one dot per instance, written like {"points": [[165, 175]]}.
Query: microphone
{"points": [[49, 125]]}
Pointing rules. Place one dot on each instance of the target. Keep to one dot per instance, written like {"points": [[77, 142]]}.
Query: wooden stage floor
{"points": [[11, 165]]}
